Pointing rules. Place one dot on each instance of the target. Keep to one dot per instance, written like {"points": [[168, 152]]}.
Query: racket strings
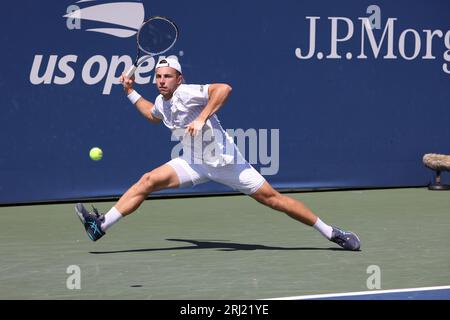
{"points": [[157, 35]]}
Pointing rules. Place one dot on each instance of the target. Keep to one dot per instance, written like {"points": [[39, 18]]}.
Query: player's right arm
{"points": [[144, 106]]}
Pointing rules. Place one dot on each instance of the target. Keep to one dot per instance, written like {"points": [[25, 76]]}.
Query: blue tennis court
{"points": [[431, 293]]}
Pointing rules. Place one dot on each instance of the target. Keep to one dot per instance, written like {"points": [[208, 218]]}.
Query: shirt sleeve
{"points": [[155, 112], [198, 93]]}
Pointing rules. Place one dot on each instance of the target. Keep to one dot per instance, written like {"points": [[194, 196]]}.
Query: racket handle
{"points": [[130, 71]]}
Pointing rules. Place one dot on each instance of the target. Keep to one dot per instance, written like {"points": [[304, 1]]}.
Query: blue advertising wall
{"points": [[354, 106]]}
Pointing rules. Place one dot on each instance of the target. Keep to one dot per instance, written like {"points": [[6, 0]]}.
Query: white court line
{"points": [[349, 294]]}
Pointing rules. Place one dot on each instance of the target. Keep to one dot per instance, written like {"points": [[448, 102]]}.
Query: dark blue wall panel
{"points": [[343, 122]]}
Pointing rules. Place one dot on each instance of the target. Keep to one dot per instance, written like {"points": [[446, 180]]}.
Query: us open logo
{"points": [[114, 19], [120, 19]]}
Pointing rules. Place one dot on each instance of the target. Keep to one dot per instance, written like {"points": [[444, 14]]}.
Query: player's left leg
{"points": [[246, 179], [297, 210], [292, 207]]}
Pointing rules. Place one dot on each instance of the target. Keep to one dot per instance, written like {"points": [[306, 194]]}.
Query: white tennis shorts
{"points": [[242, 176]]}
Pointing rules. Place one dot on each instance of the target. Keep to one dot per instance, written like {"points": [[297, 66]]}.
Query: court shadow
{"points": [[220, 245]]}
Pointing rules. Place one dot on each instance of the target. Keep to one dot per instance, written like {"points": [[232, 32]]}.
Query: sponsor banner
{"points": [[325, 94]]}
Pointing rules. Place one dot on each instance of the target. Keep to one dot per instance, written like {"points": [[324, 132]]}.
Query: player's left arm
{"points": [[218, 94]]}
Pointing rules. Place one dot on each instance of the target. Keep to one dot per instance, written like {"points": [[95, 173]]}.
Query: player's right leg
{"points": [[163, 177]]}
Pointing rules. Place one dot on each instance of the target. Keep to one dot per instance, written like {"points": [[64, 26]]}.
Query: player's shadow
{"points": [[220, 245]]}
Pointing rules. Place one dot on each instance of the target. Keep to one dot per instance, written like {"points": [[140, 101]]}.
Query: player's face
{"points": [[167, 81]]}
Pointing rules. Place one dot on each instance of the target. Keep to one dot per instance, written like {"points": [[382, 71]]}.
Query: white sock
{"points": [[111, 217], [323, 228]]}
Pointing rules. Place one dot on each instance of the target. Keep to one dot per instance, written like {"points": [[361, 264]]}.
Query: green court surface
{"points": [[227, 247]]}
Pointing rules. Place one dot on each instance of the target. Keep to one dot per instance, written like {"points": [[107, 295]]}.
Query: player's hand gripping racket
{"points": [[156, 36]]}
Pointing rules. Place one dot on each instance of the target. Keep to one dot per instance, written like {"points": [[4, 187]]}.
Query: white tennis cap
{"points": [[170, 61]]}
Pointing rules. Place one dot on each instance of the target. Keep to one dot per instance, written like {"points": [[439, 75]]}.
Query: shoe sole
{"points": [[79, 213], [81, 217]]}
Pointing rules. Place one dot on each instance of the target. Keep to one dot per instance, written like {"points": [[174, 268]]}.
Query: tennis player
{"points": [[192, 109]]}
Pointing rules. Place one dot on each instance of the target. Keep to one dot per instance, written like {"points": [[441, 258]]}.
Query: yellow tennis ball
{"points": [[96, 154]]}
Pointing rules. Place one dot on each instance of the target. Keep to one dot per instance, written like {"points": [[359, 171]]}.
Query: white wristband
{"points": [[134, 97]]}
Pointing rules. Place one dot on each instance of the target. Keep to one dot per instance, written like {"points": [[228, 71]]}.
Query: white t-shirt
{"points": [[212, 146]]}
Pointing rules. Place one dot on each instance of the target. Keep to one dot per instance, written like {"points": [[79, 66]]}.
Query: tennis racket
{"points": [[155, 36]]}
